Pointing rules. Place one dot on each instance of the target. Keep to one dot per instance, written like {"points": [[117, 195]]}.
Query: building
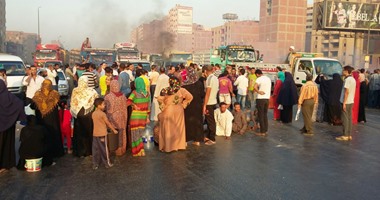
{"points": [[236, 32], [180, 24], [282, 24], [309, 27], [348, 47], [2, 26], [202, 38], [21, 44]]}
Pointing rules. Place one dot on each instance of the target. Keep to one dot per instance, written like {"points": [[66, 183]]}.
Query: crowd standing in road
{"points": [[178, 100]]}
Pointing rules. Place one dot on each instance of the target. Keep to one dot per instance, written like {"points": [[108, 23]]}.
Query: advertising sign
{"points": [[351, 15], [185, 17]]}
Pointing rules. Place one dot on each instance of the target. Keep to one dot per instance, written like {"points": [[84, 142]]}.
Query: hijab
{"points": [[46, 99], [11, 108], [140, 86], [281, 76], [191, 77], [115, 88], [82, 97], [174, 86]]}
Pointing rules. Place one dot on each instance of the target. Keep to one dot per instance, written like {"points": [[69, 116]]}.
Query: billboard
{"points": [[351, 16], [185, 16]]}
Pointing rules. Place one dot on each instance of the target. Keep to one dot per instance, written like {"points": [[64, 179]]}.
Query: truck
{"points": [[49, 52], [93, 55], [126, 52], [233, 55], [301, 63], [177, 58]]}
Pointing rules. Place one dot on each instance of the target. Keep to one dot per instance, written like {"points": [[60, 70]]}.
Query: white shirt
{"points": [[242, 84], [350, 84], [131, 77], [213, 83], [51, 74], [265, 85], [162, 82], [33, 85], [153, 77], [223, 122]]}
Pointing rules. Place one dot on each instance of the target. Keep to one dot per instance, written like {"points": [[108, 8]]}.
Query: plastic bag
{"points": [[298, 114]]}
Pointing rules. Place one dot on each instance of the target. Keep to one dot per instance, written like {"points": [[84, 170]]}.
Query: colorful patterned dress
{"points": [[138, 121]]}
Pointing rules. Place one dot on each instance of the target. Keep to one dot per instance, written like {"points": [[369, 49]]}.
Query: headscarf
{"points": [[281, 76], [11, 108], [82, 97], [140, 86], [115, 88], [191, 77], [174, 86], [46, 99], [288, 93]]}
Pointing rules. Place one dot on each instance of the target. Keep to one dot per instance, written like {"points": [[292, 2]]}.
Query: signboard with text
{"points": [[351, 16]]}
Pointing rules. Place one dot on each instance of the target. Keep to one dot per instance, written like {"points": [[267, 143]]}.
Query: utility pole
{"points": [[38, 21]]}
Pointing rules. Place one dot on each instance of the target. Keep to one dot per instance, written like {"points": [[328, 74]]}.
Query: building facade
{"points": [[235, 32], [282, 24], [21, 44], [2, 26], [348, 47]]}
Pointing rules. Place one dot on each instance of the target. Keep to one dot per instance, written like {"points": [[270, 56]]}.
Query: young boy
{"points": [[239, 124], [100, 153]]}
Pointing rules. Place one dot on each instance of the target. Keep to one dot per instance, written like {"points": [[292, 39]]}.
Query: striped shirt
{"points": [[91, 79], [308, 91]]}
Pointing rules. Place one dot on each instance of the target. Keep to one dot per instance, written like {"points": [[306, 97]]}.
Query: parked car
{"points": [[63, 84]]}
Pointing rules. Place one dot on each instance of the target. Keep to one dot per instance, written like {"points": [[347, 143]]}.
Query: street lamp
{"points": [[38, 21]]}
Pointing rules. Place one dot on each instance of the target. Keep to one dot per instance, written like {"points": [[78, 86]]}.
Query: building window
{"points": [[269, 7]]}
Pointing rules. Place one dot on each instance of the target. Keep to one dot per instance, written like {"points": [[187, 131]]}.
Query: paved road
{"points": [[284, 165]]}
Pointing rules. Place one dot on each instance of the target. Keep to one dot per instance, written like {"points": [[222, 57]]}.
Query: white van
{"points": [[15, 71]]}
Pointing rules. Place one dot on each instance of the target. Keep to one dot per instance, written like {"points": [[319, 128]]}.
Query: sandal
{"points": [[196, 144], [343, 138], [209, 142]]}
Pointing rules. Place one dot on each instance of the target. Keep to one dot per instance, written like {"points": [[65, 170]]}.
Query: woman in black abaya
{"points": [[287, 97], [11, 111]]}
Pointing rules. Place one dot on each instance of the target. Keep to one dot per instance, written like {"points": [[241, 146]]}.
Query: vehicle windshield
{"points": [[13, 68], [181, 57], [128, 55], [46, 55], [241, 55], [61, 76], [101, 58], [327, 67], [146, 66]]}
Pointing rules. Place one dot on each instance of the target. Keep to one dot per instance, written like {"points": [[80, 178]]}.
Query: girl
{"points": [[65, 120]]}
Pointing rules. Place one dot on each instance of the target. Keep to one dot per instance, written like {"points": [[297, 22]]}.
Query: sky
{"points": [[106, 22]]}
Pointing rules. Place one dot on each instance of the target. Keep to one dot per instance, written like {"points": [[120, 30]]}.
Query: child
{"points": [[65, 119], [239, 125], [100, 153]]}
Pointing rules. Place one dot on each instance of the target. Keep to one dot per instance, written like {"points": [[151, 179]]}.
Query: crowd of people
{"points": [[120, 101]]}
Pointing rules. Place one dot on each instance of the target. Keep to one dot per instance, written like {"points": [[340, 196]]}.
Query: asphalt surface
{"points": [[283, 165]]}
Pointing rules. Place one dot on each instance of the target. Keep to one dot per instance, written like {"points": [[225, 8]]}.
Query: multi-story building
{"points": [[282, 24], [309, 27], [180, 24], [21, 44], [236, 32], [2, 26], [349, 47], [202, 38]]}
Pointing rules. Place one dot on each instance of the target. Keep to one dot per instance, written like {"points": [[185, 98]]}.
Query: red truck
{"points": [[49, 53]]}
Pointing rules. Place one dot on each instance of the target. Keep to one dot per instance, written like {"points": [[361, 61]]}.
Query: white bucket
{"points": [[33, 165]]}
